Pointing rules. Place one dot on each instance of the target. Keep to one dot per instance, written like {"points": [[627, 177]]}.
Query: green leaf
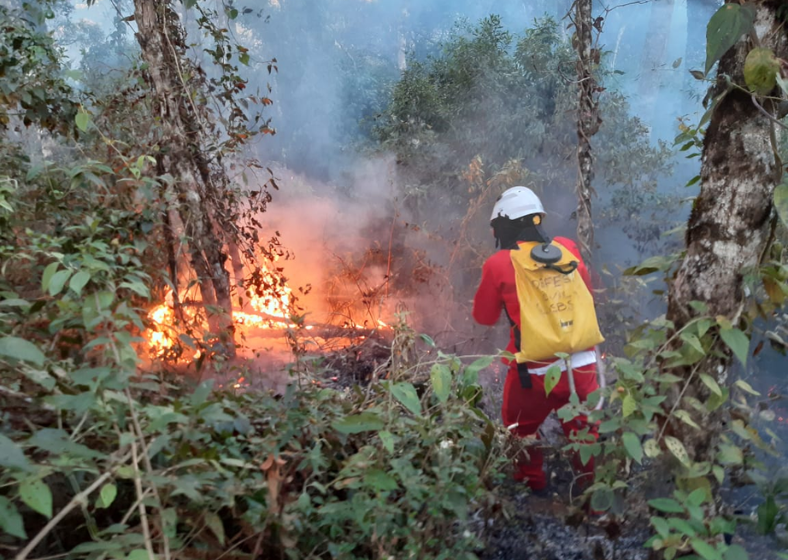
{"points": [[11, 456], [58, 281], [243, 58], [725, 28], [551, 379], [685, 417], [711, 383], [49, 271], [730, 455], [768, 516], [10, 520], [82, 119], [743, 385], [668, 505], [682, 526], [357, 423], [406, 394], [693, 341], [678, 450], [107, 495], [440, 375], [22, 350], [705, 550], [380, 480], [138, 554], [737, 341], [698, 496], [628, 405], [36, 494], [201, 393], [79, 280], [602, 499], [735, 552], [427, 339], [760, 70], [651, 448], [387, 438], [471, 373], [216, 526], [661, 526], [633, 446]]}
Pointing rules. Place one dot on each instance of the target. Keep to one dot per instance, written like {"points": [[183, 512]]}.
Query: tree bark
{"points": [[587, 122], [729, 227], [194, 188]]}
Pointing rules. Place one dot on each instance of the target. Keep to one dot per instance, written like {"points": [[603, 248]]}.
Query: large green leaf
{"points": [[737, 341], [725, 28], [406, 394], [58, 280], [21, 349], [36, 494], [10, 520], [79, 280], [633, 446], [11, 456], [440, 375], [357, 423]]}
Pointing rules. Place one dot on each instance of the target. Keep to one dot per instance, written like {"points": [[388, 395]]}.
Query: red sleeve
{"points": [[488, 301], [581, 267]]}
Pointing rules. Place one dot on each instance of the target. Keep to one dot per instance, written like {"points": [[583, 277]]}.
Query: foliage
{"points": [[32, 88], [498, 97], [315, 473]]}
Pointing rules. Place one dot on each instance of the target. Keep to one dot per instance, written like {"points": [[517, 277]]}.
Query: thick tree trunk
{"points": [[587, 122], [729, 227], [161, 41]]}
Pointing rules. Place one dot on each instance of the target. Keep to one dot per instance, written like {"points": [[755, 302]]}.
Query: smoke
{"points": [[340, 211]]}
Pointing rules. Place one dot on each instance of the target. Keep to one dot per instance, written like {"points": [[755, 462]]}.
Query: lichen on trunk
{"points": [[729, 226]]}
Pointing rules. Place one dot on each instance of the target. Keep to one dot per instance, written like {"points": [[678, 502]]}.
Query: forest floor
{"points": [[530, 527]]}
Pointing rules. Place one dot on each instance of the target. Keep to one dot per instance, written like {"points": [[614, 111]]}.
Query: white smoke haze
{"points": [[339, 210]]}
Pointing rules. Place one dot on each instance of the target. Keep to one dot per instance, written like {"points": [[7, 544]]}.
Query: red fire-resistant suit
{"points": [[528, 408]]}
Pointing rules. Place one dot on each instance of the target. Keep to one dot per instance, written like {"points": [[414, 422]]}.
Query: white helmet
{"points": [[517, 202]]}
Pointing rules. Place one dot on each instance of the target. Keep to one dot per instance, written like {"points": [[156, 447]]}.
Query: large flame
{"points": [[267, 306]]}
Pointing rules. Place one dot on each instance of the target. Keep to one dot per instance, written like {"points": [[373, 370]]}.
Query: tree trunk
{"points": [[587, 122], [729, 227], [161, 41]]}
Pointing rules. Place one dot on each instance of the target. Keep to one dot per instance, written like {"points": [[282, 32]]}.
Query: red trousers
{"points": [[530, 407]]}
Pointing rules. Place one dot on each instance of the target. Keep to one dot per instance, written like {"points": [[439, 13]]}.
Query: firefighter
{"points": [[516, 219]]}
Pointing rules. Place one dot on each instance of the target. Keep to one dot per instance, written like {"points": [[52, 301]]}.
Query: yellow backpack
{"points": [[556, 309]]}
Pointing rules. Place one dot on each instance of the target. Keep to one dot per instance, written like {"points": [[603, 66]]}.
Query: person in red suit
{"points": [[516, 218]]}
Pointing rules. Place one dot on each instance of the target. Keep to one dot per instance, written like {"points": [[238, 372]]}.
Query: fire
{"points": [[267, 304]]}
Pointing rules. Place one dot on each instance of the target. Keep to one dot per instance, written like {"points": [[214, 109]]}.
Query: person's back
{"points": [[516, 222]]}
